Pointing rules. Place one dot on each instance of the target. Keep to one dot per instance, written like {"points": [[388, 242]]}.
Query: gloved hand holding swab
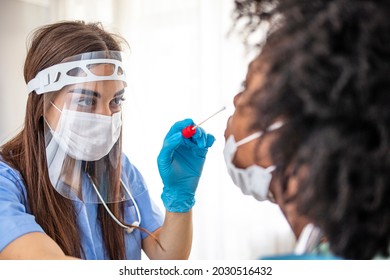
{"points": [[190, 130]]}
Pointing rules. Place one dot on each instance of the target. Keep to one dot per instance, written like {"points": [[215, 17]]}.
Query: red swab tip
{"points": [[188, 131]]}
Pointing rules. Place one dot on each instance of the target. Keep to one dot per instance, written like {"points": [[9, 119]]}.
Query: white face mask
{"points": [[87, 136], [254, 180]]}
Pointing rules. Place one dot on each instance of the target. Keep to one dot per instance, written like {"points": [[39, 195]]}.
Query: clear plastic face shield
{"points": [[82, 124]]}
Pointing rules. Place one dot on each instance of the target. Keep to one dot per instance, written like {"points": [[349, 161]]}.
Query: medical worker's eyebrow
{"points": [[121, 92], [93, 93]]}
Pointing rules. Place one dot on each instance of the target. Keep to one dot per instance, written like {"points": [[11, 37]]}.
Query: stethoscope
{"points": [[127, 228]]}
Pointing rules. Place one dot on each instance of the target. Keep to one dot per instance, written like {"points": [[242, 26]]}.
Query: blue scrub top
{"points": [[16, 219]]}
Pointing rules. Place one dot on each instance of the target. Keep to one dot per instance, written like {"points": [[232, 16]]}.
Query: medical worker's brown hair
{"points": [[26, 151]]}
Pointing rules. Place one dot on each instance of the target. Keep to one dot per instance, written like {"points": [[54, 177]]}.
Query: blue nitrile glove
{"points": [[180, 164]]}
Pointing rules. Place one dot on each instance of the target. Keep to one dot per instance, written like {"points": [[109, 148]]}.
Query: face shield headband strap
{"points": [[56, 77]]}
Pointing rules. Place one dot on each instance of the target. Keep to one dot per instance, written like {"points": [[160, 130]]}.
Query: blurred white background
{"points": [[182, 65]]}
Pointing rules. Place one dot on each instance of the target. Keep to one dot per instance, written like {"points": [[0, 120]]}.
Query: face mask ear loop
{"points": [[47, 121], [249, 138], [257, 134], [55, 106], [128, 229], [275, 126]]}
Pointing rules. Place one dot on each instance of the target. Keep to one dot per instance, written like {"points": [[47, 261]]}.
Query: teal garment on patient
{"points": [[301, 257], [319, 253], [16, 218]]}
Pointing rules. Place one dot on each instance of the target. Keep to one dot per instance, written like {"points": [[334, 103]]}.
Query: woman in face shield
{"points": [[311, 128], [66, 188]]}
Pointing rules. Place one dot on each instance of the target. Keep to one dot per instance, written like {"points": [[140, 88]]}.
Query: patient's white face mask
{"points": [[87, 136], [253, 180]]}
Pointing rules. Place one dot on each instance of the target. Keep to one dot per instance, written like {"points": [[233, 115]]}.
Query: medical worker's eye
{"points": [[117, 101], [86, 102], [84, 99]]}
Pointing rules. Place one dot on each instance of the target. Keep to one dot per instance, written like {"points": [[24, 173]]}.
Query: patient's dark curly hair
{"points": [[328, 74]]}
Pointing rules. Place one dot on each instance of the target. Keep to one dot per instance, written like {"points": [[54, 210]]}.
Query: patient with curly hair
{"points": [[311, 128]]}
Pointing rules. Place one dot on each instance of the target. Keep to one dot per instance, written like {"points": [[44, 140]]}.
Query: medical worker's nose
{"points": [[104, 109]]}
